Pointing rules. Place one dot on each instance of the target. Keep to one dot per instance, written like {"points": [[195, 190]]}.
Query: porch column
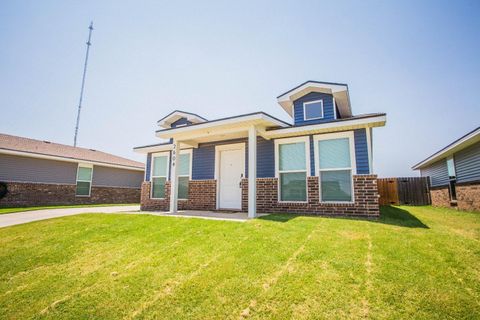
{"points": [[174, 177], [252, 172]]}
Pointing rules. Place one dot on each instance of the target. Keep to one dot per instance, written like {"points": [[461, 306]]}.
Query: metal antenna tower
{"points": [[83, 83]]}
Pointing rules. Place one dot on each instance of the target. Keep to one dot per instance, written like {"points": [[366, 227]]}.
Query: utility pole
{"points": [[83, 83]]}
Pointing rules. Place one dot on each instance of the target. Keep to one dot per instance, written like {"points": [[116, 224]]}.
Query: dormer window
{"points": [[313, 110]]}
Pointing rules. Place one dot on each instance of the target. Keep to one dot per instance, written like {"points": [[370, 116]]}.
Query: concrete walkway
{"points": [[10, 219], [209, 215]]}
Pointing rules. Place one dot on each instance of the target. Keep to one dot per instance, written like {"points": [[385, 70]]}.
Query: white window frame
{"points": [[312, 102], [352, 168], [189, 175], [84, 165], [155, 155], [278, 142]]}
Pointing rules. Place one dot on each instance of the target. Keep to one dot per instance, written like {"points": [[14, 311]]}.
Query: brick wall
{"points": [[365, 204], [468, 197], [21, 194], [440, 197], [201, 196]]}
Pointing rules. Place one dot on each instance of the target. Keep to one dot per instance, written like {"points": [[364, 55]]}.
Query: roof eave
{"points": [[459, 144]]}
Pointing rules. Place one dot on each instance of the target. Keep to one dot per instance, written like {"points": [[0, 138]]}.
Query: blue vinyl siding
{"points": [[328, 110], [437, 172], [203, 165], [467, 164], [179, 122], [361, 151], [148, 166], [265, 158], [312, 157]]}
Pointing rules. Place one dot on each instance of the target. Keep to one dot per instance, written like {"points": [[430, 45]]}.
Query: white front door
{"points": [[231, 169]]}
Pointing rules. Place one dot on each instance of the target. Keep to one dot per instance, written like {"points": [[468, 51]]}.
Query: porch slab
{"points": [[209, 215]]}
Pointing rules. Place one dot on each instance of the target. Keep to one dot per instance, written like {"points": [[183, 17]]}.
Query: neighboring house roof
{"points": [[338, 90], [167, 121], [44, 149], [459, 144]]}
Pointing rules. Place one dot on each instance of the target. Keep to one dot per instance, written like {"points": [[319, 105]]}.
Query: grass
{"points": [[415, 262], [21, 209]]}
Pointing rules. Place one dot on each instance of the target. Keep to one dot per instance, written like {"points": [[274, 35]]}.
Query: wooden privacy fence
{"points": [[398, 191]]}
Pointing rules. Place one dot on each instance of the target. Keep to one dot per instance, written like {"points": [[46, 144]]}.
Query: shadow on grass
{"points": [[399, 217], [388, 215]]}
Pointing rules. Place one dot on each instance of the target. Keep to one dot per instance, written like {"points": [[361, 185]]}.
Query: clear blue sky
{"points": [[418, 61]]}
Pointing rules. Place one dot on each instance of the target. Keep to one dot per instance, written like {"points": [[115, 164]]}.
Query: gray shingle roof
{"points": [[15, 143]]}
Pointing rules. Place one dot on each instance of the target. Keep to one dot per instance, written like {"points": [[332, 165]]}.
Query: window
{"points": [[313, 110], [334, 155], [159, 174], [292, 168], [184, 169], [452, 179], [84, 180]]}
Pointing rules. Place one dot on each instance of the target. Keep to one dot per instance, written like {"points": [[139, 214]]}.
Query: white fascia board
{"points": [[454, 147], [167, 133], [56, 158], [150, 149], [334, 126], [178, 115]]}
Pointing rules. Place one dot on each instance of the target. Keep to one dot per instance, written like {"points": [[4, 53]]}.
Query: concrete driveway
{"points": [[10, 219]]}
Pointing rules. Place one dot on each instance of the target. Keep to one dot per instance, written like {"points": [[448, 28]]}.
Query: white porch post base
{"points": [[252, 172], [174, 177]]}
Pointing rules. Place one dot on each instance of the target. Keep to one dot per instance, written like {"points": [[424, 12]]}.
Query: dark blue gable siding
{"points": [[328, 110], [361, 151], [180, 122]]}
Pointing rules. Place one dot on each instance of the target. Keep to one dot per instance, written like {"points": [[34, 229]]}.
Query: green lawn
{"points": [[415, 262], [20, 209]]}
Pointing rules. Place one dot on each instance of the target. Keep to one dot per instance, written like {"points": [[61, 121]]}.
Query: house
{"points": [[320, 164], [454, 173], [45, 173]]}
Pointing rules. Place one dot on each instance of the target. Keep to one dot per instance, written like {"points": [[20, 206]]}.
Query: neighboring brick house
{"points": [[45, 173], [320, 164], [454, 173]]}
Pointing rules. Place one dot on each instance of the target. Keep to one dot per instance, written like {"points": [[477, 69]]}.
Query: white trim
{"points": [[175, 156], [460, 144], [353, 168], [252, 172], [153, 156], [233, 120], [278, 142], [335, 116], [57, 158], [341, 125], [218, 150], [369, 149], [188, 151], [312, 102], [89, 166], [177, 115]]}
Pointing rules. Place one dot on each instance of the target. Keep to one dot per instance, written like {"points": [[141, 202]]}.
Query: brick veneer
{"points": [[365, 190], [201, 196], [468, 197], [440, 197], [22, 194]]}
